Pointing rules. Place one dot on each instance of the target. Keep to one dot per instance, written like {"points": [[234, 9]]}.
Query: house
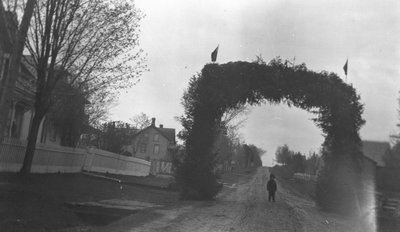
{"points": [[54, 130], [375, 150], [154, 143], [22, 104], [368, 170], [20, 114], [367, 166], [60, 128]]}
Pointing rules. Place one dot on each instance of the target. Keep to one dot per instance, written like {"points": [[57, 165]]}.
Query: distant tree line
{"points": [[230, 151], [232, 154], [296, 162], [391, 157], [388, 177]]}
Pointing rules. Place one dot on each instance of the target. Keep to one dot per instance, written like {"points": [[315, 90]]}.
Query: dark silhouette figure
{"points": [[271, 187]]}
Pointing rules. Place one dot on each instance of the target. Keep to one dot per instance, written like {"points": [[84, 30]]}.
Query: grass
{"points": [[36, 202]]}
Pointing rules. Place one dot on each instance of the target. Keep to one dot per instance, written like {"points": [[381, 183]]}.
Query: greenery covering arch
{"points": [[222, 87]]}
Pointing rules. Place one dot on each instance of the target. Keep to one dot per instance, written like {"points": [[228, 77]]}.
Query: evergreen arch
{"points": [[220, 87]]}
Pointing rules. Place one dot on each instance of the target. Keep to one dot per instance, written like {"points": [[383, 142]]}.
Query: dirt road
{"points": [[240, 207], [245, 209]]}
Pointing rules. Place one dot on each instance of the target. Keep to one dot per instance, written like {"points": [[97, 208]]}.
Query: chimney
{"points": [[153, 121], [161, 126]]}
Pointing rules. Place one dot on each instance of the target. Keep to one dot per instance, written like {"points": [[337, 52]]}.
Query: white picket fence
{"points": [[305, 176], [53, 159], [161, 167], [108, 162]]}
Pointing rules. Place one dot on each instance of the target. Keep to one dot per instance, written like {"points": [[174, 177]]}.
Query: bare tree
{"points": [[232, 121], [89, 44], [98, 109], [229, 137], [229, 117], [140, 121], [17, 39]]}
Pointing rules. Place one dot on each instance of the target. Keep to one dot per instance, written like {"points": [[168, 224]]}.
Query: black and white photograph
{"points": [[199, 116]]}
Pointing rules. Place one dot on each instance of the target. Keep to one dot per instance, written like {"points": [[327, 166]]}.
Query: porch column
{"points": [[14, 103]]}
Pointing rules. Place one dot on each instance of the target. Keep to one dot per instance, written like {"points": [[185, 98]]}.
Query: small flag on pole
{"points": [[214, 54], [345, 67]]}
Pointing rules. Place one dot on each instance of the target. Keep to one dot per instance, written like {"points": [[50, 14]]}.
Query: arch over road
{"points": [[222, 87]]}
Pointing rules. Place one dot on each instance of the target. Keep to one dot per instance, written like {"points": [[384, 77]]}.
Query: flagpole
{"points": [[345, 68]]}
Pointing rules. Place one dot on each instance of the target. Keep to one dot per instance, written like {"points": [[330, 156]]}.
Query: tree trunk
{"points": [[7, 91], [31, 147]]}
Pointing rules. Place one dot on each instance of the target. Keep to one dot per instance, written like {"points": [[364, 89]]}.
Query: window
{"points": [[156, 149], [44, 131], [6, 66], [156, 137], [8, 125], [16, 125], [144, 137], [143, 147], [52, 132]]}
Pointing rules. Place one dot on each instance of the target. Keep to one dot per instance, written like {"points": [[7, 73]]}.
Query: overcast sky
{"points": [[178, 37]]}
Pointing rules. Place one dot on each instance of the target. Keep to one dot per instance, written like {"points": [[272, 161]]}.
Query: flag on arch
{"points": [[345, 67], [214, 54]]}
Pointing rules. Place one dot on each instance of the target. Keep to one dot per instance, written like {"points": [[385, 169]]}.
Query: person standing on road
{"points": [[271, 187]]}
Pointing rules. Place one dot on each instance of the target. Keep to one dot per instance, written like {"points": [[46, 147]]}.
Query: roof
{"points": [[375, 150], [29, 63], [168, 133], [369, 159]]}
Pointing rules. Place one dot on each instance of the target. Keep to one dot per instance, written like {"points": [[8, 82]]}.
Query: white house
{"points": [[153, 143]]}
